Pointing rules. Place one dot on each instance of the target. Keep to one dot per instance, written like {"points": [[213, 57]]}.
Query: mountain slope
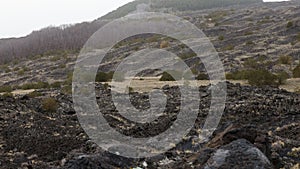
{"points": [[71, 38]]}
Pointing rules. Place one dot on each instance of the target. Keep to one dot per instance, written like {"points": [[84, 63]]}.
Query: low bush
{"points": [[228, 47], [164, 44], [67, 89], [34, 94], [25, 69], [167, 77], [5, 88], [21, 72], [49, 105], [172, 75], [296, 72], [56, 85], [187, 55], [102, 77], [16, 69], [248, 33], [289, 24], [106, 77], [282, 77], [221, 38], [248, 43], [130, 89], [38, 85], [286, 60], [238, 75], [6, 69], [202, 76], [262, 77]]}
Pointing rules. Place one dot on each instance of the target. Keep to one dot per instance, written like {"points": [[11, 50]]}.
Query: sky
{"points": [[20, 17], [275, 0]]}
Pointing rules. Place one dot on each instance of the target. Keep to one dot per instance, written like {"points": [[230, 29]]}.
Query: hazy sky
{"points": [[21, 17], [274, 0]]}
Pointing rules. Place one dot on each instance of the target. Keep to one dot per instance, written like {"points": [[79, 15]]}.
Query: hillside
{"points": [[255, 35], [258, 44], [71, 38]]}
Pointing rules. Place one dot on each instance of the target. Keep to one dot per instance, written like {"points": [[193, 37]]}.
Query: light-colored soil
{"points": [[22, 92], [292, 85], [146, 84]]}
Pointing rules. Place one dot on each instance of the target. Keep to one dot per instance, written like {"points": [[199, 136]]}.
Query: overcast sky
{"points": [[20, 17], [275, 0]]}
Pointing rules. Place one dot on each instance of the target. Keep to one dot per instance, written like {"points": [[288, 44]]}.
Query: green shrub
{"points": [[202, 76], [16, 69], [56, 85], [238, 75], [105, 77], [228, 47], [249, 43], [102, 77], [106, 86], [36, 57], [69, 79], [67, 89], [166, 77], [38, 85], [171, 75], [298, 36], [49, 105], [296, 72], [5, 88], [130, 90], [5, 68], [25, 69], [187, 55], [248, 33], [62, 66], [15, 62], [286, 60], [289, 24], [282, 77], [262, 77], [251, 64], [221, 38], [34, 94], [21, 72]]}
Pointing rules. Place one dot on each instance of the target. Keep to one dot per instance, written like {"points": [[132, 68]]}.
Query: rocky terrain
{"points": [[259, 129]]}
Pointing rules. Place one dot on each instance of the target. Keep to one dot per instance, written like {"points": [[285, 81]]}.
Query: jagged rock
{"points": [[239, 154], [263, 116]]}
